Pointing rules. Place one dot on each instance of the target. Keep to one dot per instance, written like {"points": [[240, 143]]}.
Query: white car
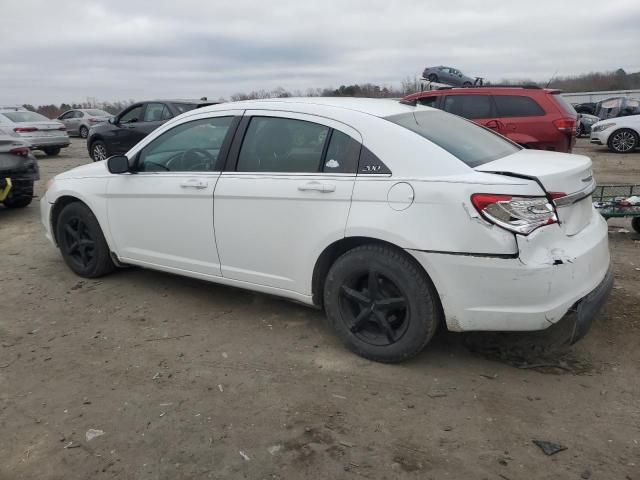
{"points": [[620, 134], [395, 219]]}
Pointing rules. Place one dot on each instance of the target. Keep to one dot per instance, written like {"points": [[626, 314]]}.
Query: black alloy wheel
{"points": [[81, 241], [381, 303], [375, 308], [78, 243]]}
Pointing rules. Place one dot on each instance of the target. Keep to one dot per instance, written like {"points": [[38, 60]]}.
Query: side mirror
{"points": [[118, 164], [113, 120]]}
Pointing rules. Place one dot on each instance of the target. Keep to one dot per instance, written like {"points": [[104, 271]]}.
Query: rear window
{"points": [[565, 105], [517, 106], [98, 113], [184, 107], [21, 117], [465, 140]]}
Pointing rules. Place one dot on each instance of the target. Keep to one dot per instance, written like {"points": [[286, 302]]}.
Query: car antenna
{"points": [[551, 79]]}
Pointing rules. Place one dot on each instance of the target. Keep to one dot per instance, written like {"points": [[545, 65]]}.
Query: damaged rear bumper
{"points": [[553, 275], [583, 312]]}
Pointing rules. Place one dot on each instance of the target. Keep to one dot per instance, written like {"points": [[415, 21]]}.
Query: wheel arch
{"points": [[333, 251], [65, 199]]}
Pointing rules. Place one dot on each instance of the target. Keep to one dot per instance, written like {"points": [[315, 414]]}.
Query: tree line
{"points": [[595, 81]]}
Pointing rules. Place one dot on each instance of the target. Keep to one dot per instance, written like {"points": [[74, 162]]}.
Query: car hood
{"points": [[90, 170]]}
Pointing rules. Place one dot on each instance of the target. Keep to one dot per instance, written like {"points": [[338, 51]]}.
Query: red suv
{"points": [[532, 116]]}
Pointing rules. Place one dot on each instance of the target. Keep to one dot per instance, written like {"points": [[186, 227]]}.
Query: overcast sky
{"points": [[68, 50]]}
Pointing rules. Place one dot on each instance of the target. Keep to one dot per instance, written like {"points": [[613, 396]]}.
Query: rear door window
{"points": [[469, 106], [154, 112], [465, 140], [274, 144], [517, 106]]}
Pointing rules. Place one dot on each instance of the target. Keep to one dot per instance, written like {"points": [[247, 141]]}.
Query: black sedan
{"points": [[131, 125]]}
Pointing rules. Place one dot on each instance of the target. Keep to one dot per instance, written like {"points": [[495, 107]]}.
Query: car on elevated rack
{"points": [[448, 75], [39, 132], [395, 219], [531, 116], [123, 131]]}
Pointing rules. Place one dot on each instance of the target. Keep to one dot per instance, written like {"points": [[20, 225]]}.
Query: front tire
{"points": [[381, 304], [635, 224], [82, 243], [624, 140], [99, 151], [433, 77], [83, 132], [52, 151]]}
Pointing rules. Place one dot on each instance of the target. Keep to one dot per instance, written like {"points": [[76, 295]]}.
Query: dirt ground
{"points": [[193, 380]]}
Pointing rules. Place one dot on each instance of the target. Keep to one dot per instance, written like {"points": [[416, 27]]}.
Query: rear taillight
{"points": [[22, 151], [567, 125], [62, 129], [516, 214], [25, 129], [94, 120]]}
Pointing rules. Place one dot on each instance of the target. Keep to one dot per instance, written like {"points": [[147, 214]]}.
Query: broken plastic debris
{"points": [[244, 455], [93, 433], [72, 445], [549, 448], [220, 388], [157, 375], [224, 355], [273, 449]]}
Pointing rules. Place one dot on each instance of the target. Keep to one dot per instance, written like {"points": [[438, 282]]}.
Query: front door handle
{"points": [[194, 184], [317, 186], [493, 124]]}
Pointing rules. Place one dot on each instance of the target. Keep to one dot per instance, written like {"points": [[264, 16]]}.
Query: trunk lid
{"points": [[570, 175]]}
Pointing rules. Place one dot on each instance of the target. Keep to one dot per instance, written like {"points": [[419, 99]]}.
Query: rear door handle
{"points": [[193, 183], [317, 186]]}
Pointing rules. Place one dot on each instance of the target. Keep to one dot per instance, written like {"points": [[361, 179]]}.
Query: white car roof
{"points": [[378, 107]]}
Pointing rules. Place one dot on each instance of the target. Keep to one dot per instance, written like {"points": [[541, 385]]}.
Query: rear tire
{"points": [[82, 243], [624, 140], [433, 77], [635, 224], [83, 132], [381, 304], [98, 151], [52, 151], [466, 84]]}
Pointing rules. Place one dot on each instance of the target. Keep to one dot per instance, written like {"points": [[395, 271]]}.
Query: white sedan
{"points": [[395, 219], [620, 134]]}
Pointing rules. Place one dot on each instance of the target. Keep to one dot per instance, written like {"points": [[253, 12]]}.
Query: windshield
{"points": [[463, 139], [21, 117], [98, 113]]}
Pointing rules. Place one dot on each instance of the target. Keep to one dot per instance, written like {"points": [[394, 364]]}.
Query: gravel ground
{"points": [[193, 380]]}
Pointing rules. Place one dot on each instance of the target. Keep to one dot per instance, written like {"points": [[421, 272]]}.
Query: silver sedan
{"points": [[78, 121], [37, 130]]}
